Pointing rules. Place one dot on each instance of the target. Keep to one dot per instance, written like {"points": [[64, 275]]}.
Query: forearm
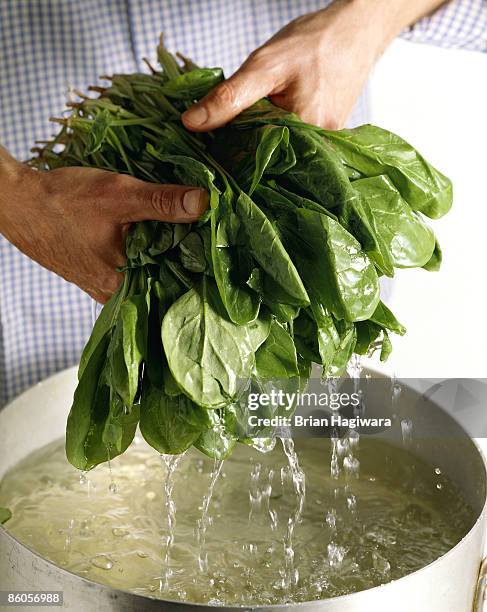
{"points": [[390, 17]]}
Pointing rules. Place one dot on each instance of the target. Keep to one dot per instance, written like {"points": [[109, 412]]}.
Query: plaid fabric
{"points": [[455, 25], [48, 47]]}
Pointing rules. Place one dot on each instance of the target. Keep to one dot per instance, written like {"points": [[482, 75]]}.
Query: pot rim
{"points": [[482, 517]]}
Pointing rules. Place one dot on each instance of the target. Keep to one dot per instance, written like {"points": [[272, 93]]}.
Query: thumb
{"points": [[228, 99], [143, 201]]}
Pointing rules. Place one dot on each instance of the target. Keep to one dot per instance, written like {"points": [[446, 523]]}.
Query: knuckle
{"points": [[164, 201], [224, 94]]}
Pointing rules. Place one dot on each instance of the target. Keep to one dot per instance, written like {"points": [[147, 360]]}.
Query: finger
{"points": [[229, 98], [142, 201]]}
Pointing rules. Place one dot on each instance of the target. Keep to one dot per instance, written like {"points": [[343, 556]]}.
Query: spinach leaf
{"points": [[170, 424], [103, 324], [276, 358], [193, 85], [193, 255], [434, 263], [208, 355], [231, 263], [373, 151], [337, 273], [128, 347], [268, 250], [384, 317], [219, 441], [409, 240], [88, 437]]}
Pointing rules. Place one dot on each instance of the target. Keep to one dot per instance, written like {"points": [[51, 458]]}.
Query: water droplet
{"points": [[437, 471], [118, 532]]}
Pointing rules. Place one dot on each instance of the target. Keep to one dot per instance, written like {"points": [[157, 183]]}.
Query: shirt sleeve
{"points": [[458, 24]]}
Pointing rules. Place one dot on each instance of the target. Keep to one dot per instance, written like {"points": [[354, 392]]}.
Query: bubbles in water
{"points": [[82, 478], [113, 487], [336, 554], [102, 562], [438, 471], [118, 532], [331, 518], [381, 564]]}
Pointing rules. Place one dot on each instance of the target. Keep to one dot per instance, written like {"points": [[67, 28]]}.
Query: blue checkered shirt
{"points": [[50, 47]]}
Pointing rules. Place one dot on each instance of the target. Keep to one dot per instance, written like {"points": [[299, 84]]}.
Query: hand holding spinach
{"points": [[281, 271]]}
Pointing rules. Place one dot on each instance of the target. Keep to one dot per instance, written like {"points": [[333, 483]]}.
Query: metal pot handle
{"points": [[478, 604]]}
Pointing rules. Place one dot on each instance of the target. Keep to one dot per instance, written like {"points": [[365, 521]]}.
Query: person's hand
{"points": [[74, 221], [316, 66]]}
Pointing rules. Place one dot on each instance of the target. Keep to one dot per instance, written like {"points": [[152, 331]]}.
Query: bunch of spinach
{"points": [[282, 271]]}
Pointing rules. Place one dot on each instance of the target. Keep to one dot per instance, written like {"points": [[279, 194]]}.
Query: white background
{"points": [[437, 100]]}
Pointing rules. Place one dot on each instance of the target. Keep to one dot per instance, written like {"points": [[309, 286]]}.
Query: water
{"points": [[206, 520], [401, 521], [170, 462], [291, 573]]}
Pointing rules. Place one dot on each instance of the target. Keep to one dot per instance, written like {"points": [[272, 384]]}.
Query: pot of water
{"points": [[326, 553]]}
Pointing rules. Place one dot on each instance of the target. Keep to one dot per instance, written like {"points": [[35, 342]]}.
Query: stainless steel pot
{"points": [[454, 583]]}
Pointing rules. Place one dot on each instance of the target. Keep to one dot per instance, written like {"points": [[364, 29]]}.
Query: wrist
{"points": [[388, 18]]}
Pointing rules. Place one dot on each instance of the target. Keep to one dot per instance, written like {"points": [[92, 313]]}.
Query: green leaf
{"points": [[409, 240], [128, 347], [170, 424], [268, 250], [99, 129], [276, 357], [384, 317], [273, 154], [219, 441], [386, 346], [103, 324], [193, 253], [373, 151], [337, 273], [193, 85], [434, 263], [208, 355]]}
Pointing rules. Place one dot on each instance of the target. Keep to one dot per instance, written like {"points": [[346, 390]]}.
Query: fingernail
{"points": [[195, 202], [197, 115]]}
